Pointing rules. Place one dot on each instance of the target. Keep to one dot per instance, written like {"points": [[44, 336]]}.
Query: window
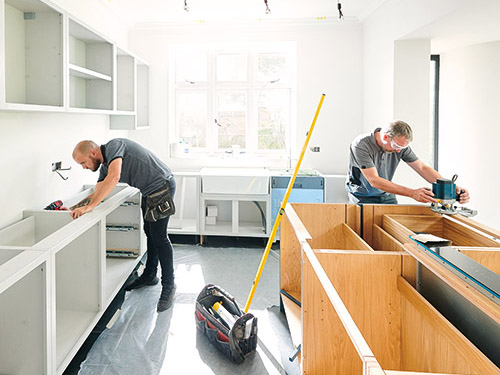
{"points": [[226, 96], [434, 102]]}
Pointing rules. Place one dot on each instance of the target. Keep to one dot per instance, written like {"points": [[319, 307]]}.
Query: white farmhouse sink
{"points": [[235, 180]]}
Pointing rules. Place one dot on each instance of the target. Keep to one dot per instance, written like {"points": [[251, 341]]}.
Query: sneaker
{"points": [[142, 281], [166, 298]]}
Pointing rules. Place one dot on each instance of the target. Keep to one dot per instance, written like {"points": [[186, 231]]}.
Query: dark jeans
{"points": [[382, 199], [160, 248]]}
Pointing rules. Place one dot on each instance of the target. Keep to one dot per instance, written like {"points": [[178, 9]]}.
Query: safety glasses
{"points": [[396, 146]]}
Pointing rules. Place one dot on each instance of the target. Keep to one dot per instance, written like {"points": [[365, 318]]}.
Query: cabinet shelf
{"points": [[81, 72]]}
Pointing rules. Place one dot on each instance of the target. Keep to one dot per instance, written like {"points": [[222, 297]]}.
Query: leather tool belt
{"points": [[159, 205]]}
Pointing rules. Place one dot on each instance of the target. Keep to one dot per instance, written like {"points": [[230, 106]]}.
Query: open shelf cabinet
{"points": [[50, 61], [33, 55], [24, 312], [90, 69], [56, 281]]}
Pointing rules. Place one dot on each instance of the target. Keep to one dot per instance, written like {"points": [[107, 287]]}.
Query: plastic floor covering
{"points": [[142, 341]]}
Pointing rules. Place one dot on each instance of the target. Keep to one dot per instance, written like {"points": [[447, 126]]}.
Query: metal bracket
{"points": [[57, 166]]}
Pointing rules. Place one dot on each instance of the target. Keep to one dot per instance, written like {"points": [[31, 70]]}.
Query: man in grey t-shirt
{"points": [[373, 160], [122, 160]]}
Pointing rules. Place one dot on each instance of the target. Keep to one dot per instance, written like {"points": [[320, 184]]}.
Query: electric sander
{"points": [[445, 192]]}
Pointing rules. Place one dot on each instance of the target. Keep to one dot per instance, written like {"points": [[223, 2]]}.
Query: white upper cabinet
{"points": [[50, 61], [90, 69], [32, 55]]}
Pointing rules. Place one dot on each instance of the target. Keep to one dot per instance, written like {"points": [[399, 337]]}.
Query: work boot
{"points": [[166, 298], [142, 281]]}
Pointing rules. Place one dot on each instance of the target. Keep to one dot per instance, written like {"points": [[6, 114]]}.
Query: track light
{"points": [[267, 7], [339, 7], [186, 8]]}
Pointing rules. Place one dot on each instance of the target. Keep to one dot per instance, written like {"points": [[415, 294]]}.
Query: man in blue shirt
{"points": [[122, 160]]}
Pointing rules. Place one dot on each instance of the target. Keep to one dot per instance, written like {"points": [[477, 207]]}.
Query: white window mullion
{"points": [[212, 131]]}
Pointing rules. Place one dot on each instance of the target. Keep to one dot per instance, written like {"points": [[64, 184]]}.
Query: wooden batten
{"points": [[373, 213], [495, 234], [462, 235]]}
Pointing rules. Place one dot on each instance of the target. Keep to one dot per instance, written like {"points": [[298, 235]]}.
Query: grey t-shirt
{"points": [[140, 167], [366, 153]]}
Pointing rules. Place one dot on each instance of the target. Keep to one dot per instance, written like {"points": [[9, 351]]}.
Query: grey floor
{"points": [[142, 341]]}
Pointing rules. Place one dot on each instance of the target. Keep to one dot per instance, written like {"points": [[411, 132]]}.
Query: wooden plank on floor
{"points": [[292, 312]]}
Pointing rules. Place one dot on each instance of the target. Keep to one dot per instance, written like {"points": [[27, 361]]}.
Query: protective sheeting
{"points": [[141, 341]]}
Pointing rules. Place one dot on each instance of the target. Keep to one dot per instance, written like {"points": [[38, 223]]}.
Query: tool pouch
{"points": [[236, 341], [159, 205]]}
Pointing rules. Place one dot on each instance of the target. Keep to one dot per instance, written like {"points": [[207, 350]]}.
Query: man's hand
{"points": [[77, 212], [463, 195], [423, 195]]}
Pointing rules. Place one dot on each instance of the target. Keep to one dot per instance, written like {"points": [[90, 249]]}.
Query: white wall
{"points": [[329, 60], [470, 124], [30, 142], [469, 94]]}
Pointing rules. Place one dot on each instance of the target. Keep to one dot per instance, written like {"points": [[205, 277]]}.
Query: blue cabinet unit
{"points": [[306, 189]]}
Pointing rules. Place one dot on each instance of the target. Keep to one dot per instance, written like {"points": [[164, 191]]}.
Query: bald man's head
{"points": [[87, 154]]}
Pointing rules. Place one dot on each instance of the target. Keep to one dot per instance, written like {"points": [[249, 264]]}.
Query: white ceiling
{"points": [[135, 12]]}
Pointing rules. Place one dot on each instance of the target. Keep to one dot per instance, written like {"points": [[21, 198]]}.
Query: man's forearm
{"points": [[83, 202], [102, 190]]}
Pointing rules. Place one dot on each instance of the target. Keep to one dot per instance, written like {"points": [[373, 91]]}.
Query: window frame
{"points": [[252, 87]]}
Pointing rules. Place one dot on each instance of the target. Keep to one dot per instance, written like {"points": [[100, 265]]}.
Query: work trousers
{"points": [[160, 248]]}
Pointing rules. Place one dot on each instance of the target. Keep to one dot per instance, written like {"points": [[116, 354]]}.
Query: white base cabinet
{"points": [[56, 281]]}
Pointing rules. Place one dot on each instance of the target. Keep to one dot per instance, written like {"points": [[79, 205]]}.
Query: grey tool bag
{"points": [[236, 338]]}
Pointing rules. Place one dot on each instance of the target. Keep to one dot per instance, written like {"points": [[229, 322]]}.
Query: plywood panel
{"points": [[396, 229], [326, 348], [319, 219], [420, 223], [290, 258], [372, 214], [353, 217], [432, 344], [384, 241], [488, 257], [351, 240], [495, 234], [482, 302], [464, 236], [293, 317], [409, 269], [366, 282]]}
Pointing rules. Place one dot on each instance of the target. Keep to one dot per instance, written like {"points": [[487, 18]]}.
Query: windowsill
{"points": [[200, 159]]}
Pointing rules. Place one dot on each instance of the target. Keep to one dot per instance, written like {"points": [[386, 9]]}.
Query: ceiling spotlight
{"points": [[267, 7], [339, 7], [186, 8]]}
